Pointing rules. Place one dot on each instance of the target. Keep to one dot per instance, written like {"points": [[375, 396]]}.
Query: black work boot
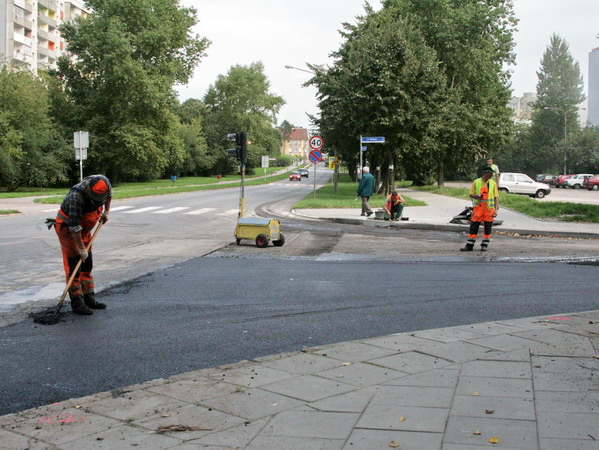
{"points": [[78, 306], [91, 302], [467, 248]]}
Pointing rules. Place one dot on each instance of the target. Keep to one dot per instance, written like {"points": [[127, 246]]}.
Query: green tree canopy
{"points": [[129, 54]]}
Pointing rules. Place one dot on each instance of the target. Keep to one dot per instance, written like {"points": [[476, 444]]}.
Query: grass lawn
{"points": [[570, 212], [9, 211], [345, 197]]}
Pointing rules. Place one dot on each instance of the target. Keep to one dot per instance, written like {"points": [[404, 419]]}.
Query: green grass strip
{"points": [[569, 212], [345, 197], [9, 211]]}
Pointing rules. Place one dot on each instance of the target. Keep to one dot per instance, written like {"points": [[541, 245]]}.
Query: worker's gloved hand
{"points": [[83, 253], [104, 217]]}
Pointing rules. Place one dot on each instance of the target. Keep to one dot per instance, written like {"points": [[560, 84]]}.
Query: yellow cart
{"points": [[260, 230]]}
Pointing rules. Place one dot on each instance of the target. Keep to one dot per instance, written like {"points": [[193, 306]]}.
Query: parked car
{"points": [[303, 172], [561, 181], [591, 183], [547, 179], [577, 180], [295, 176], [520, 183]]}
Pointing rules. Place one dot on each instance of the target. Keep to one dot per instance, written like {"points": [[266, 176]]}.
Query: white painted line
{"points": [[120, 208], [200, 211], [137, 211], [50, 210], [172, 210], [229, 212]]}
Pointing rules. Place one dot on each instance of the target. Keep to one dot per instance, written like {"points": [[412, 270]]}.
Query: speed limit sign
{"points": [[316, 142]]}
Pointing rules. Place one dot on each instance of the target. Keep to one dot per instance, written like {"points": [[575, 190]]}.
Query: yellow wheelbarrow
{"points": [[260, 230]]}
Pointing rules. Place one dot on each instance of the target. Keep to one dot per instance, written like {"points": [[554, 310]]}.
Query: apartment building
{"points": [[522, 106], [295, 143], [29, 36]]}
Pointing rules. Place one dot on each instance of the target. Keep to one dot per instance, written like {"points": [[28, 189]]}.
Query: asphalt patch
{"points": [[48, 316]]}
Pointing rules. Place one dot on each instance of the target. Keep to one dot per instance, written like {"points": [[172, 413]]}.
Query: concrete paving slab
{"points": [[553, 337], [309, 388], [432, 378], [451, 334], [406, 418], [454, 351], [504, 343], [124, 436], [194, 390], [301, 363], [253, 404], [414, 396], [499, 369], [474, 447], [568, 425], [518, 355], [355, 401], [576, 402], [10, 440], [496, 407], [281, 442], [235, 437], [495, 387], [361, 374], [490, 328], [564, 382], [412, 362], [576, 365], [311, 424], [511, 433], [381, 439], [251, 375], [568, 444], [399, 342], [353, 352]]}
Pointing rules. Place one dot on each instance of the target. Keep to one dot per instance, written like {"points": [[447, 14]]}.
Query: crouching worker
{"points": [[485, 196], [393, 206], [86, 203]]}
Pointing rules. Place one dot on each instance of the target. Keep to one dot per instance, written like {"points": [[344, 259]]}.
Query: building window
{"points": [[18, 11]]}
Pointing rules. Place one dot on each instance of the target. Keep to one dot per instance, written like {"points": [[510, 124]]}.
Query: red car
{"points": [[561, 181], [591, 183], [295, 176]]}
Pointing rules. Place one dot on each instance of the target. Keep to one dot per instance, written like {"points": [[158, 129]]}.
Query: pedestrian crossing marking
{"points": [[146, 209], [229, 212], [200, 211], [120, 208], [172, 210]]}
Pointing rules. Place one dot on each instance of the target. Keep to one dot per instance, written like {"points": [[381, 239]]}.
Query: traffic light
{"points": [[241, 142]]}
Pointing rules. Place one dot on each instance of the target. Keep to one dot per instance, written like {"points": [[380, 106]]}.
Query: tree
{"points": [[129, 54], [31, 151], [241, 101], [559, 92]]}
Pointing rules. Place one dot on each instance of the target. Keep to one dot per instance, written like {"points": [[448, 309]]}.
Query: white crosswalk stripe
{"points": [[172, 210], [146, 209], [200, 211], [230, 212], [120, 208]]}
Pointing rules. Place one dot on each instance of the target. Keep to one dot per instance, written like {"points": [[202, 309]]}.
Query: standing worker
{"points": [[86, 203], [365, 190], [485, 197], [495, 170], [394, 206]]}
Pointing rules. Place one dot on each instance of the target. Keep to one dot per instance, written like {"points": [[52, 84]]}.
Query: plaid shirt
{"points": [[76, 203]]}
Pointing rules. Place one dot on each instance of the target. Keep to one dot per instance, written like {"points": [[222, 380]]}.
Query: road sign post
{"points": [[81, 144], [315, 157], [363, 148]]}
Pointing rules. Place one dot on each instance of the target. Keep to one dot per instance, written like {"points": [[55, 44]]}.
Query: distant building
{"points": [[593, 100], [29, 36], [295, 143], [522, 106]]}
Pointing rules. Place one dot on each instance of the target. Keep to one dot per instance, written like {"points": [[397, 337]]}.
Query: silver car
{"points": [[520, 183]]}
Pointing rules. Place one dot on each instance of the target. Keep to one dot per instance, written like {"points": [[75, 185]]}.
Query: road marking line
{"points": [[229, 212], [146, 209], [171, 210], [200, 211], [120, 208]]}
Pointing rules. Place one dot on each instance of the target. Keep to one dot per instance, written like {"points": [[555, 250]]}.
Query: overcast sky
{"points": [[291, 32]]}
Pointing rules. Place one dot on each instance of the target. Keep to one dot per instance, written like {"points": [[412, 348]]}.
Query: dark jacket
{"points": [[366, 186]]}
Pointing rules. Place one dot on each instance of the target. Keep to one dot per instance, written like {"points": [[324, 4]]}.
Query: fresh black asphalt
{"points": [[217, 310]]}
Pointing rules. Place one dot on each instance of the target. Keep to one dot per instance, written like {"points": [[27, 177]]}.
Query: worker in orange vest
{"points": [[86, 203], [393, 206], [485, 196]]}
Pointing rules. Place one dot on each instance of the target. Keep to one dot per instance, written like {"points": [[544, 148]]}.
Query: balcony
{"points": [[45, 19], [23, 22], [22, 39], [42, 34], [20, 56]]}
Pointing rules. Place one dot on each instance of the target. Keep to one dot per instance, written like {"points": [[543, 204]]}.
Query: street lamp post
{"points": [[564, 111]]}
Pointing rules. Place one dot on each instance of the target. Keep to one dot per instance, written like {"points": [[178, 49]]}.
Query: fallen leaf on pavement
{"points": [[494, 440], [476, 433], [393, 444], [475, 394], [402, 419], [78, 406], [489, 411], [167, 428], [165, 415], [346, 364]]}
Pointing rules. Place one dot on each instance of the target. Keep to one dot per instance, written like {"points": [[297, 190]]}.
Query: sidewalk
{"points": [[441, 210], [525, 383]]}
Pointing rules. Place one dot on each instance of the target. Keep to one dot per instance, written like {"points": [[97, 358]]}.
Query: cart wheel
{"points": [[261, 241], [238, 241], [280, 242]]}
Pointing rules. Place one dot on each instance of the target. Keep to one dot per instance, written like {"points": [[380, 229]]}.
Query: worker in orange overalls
{"points": [[485, 196], [393, 206], [86, 203]]}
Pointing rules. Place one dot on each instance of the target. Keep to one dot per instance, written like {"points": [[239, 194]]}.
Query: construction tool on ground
{"points": [[49, 318]]}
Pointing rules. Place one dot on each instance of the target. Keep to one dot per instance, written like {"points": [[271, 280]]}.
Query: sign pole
{"points": [[360, 166], [314, 190]]}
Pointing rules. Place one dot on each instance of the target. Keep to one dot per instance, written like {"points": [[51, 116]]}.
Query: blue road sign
{"points": [[315, 156], [373, 140], [364, 148]]}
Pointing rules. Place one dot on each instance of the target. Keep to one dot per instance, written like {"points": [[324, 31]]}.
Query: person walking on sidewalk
{"points": [[365, 190], [86, 203], [393, 206], [485, 196], [495, 169]]}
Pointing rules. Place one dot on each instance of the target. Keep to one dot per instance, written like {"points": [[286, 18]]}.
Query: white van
{"points": [[520, 183]]}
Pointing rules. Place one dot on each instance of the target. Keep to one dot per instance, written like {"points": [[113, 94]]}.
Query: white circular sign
{"points": [[316, 142]]}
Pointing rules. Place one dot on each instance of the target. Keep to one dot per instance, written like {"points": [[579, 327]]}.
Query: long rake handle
{"points": [[72, 277]]}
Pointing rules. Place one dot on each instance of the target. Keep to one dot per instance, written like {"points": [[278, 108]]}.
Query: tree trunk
{"points": [[440, 174]]}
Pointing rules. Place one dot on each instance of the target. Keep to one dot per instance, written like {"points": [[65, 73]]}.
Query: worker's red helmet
{"points": [[99, 188]]}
